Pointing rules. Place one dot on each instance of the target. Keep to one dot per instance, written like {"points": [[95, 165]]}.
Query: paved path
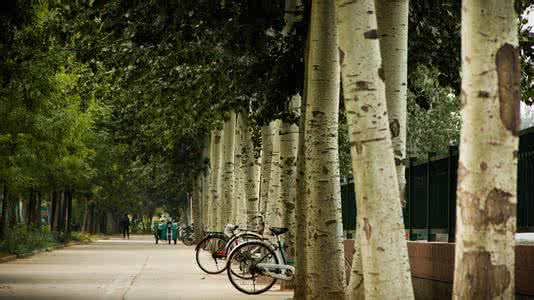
{"points": [[117, 269]]}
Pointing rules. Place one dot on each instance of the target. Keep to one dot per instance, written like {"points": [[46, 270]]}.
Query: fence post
{"points": [[429, 156]]}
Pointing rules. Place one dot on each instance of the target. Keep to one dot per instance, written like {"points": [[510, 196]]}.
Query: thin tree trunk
{"points": [[205, 186], [85, 215], [274, 206], [238, 203], [289, 135], [13, 214], [228, 176], [249, 164], [392, 21], [487, 170], [324, 280], [63, 212], [30, 209], [197, 198], [216, 154], [37, 211], [68, 219], [54, 213], [266, 158], [383, 246], [5, 207]]}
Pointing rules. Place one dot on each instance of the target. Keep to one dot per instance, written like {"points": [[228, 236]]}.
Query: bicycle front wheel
{"points": [[243, 270], [211, 256]]}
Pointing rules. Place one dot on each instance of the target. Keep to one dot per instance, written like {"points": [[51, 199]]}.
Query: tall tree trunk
{"points": [[487, 170], [250, 170], [228, 177], [325, 281], [5, 207], [205, 186], [266, 158], [85, 215], [289, 135], [392, 21], [301, 201], [30, 209], [383, 246], [13, 210], [197, 199], [238, 203], [68, 219], [54, 213], [216, 155], [62, 212], [37, 209], [274, 209]]}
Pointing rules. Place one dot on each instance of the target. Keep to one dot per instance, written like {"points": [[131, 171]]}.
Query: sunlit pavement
{"points": [[118, 269]]}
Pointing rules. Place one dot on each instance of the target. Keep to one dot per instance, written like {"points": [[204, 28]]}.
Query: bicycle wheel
{"points": [[188, 239], [243, 272], [239, 239], [210, 254]]}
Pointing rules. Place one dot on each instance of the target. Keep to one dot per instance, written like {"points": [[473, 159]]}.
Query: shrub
{"points": [[22, 240]]}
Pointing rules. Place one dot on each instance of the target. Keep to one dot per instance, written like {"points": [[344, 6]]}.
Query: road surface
{"points": [[117, 269]]}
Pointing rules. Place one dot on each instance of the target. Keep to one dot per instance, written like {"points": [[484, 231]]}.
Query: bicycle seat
{"points": [[279, 230]]}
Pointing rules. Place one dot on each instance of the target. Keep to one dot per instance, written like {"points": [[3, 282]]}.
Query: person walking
{"points": [[125, 225]]}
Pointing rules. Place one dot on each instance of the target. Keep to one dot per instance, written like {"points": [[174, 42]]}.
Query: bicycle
{"points": [[211, 252], [187, 235], [259, 264]]}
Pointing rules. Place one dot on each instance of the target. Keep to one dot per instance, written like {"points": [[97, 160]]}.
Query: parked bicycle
{"points": [[187, 234], [254, 266], [212, 251]]}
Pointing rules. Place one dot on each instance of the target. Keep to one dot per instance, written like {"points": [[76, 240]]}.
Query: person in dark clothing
{"points": [[125, 226]]}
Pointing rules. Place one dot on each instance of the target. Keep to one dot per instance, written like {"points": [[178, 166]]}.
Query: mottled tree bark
{"points": [[324, 224], [392, 21], [228, 175], [487, 170], [238, 212], [289, 135], [196, 206], [205, 186], [383, 246], [274, 209], [215, 160], [250, 171], [266, 158]]}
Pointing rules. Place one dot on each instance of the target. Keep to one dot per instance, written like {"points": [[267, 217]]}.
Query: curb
{"points": [[34, 252], [7, 258]]}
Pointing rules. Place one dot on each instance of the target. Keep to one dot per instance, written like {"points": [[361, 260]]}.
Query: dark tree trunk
{"points": [[37, 214], [5, 207], [13, 211], [54, 210], [85, 215], [68, 220], [62, 212], [31, 208]]}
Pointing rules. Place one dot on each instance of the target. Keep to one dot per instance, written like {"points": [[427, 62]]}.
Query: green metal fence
{"points": [[430, 212]]}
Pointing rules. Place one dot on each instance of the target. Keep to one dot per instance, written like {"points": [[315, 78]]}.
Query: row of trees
{"points": [[364, 46], [241, 104]]}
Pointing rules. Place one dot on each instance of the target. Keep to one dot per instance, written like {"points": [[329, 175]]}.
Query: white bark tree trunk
{"points": [[324, 225], [196, 204], [274, 210], [238, 180], [250, 171], [206, 184], [486, 207], [392, 19], [266, 158], [289, 135], [215, 187], [383, 246], [227, 203]]}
